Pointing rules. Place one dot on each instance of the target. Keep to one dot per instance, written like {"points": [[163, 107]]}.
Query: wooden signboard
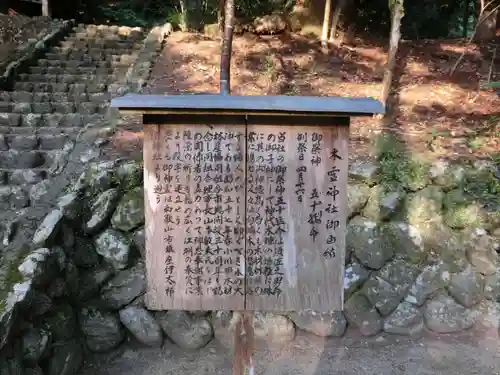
{"points": [[245, 210]]}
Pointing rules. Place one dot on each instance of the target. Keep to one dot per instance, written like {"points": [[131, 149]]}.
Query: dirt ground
{"points": [[436, 114], [469, 353], [16, 30]]}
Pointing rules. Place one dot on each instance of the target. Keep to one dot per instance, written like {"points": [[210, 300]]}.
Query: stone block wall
{"points": [[421, 256]]}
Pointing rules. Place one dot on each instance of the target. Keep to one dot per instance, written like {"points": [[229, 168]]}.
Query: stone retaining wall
{"points": [[421, 256]]}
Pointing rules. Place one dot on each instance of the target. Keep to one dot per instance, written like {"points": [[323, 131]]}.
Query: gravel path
{"points": [[466, 354]]}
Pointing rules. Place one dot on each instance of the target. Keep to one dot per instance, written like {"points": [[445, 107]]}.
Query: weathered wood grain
{"points": [[195, 213], [288, 269]]}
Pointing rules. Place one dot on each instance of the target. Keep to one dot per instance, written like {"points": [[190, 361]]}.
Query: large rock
{"points": [[383, 203], [441, 243], [130, 211], [447, 175], [405, 320], [364, 171], [406, 240], [467, 287], [365, 241], [139, 239], [103, 330], [432, 278], [355, 276], [83, 253], [124, 287], [362, 315], [444, 315], [461, 211], [270, 24], [481, 251], [424, 206], [331, 324], [36, 343], [48, 229], [386, 288], [99, 177], [61, 322], [39, 266], [130, 174], [115, 247], [357, 196], [92, 280], [273, 328], [142, 325], [101, 210], [66, 359], [71, 205], [184, 329]]}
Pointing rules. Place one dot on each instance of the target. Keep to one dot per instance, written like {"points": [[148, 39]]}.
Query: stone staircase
{"points": [[52, 101]]}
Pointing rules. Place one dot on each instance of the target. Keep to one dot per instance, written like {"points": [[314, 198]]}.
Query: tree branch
{"points": [[480, 19]]}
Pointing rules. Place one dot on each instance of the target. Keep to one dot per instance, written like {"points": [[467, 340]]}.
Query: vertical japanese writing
{"points": [[200, 185], [332, 211], [315, 200], [266, 207]]}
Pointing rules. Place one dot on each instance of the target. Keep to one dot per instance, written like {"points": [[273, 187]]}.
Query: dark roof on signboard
{"points": [[282, 105]]}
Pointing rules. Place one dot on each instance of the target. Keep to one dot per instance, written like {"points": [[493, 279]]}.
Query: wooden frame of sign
{"points": [[245, 205]]}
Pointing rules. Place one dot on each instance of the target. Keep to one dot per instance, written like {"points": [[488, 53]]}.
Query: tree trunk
{"points": [[397, 14], [336, 18], [183, 22], [220, 16], [227, 44], [45, 8], [326, 23], [465, 19], [487, 24]]}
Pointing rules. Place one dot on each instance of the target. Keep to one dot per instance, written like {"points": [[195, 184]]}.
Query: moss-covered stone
{"points": [[446, 175], [424, 206], [383, 202], [130, 211]]}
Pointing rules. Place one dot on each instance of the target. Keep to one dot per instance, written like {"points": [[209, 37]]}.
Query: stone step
{"points": [[75, 70], [23, 176], [14, 197], [109, 32], [14, 159], [100, 58], [95, 53], [27, 96], [72, 88], [33, 141], [72, 44], [81, 64], [71, 133], [69, 78], [15, 122], [84, 108]]}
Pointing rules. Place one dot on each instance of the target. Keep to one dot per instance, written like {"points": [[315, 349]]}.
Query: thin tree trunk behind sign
{"points": [[220, 16], [336, 18], [326, 23], [397, 14], [227, 43], [45, 8]]}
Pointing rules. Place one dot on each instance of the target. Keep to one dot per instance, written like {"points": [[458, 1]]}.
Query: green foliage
{"points": [[483, 185], [397, 168], [134, 13]]}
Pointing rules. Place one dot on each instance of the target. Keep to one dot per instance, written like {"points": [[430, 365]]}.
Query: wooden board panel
{"points": [[195, 212], [296, 217]]}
